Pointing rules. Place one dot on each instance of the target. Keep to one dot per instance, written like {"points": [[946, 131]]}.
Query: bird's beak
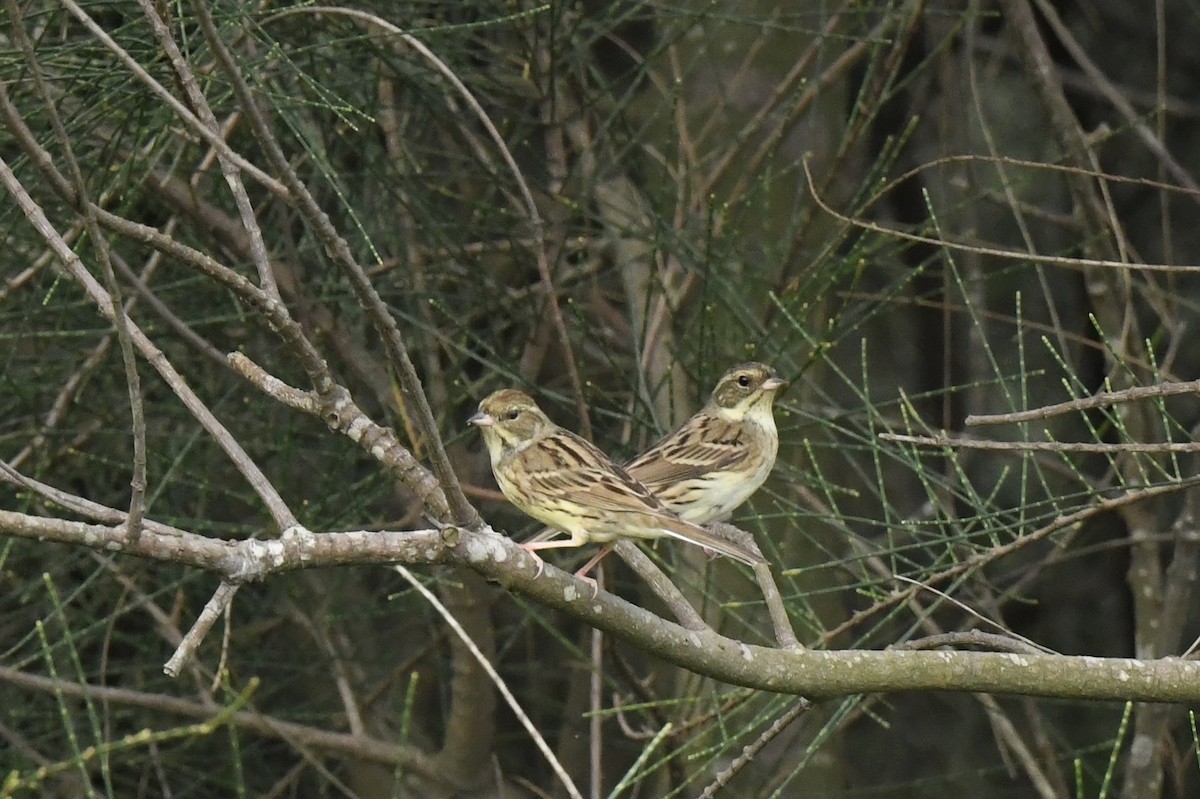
{"points": [[773, 382], [481, 419]]}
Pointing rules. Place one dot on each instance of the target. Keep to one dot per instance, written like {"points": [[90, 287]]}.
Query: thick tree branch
{"points": [[810, 673]]}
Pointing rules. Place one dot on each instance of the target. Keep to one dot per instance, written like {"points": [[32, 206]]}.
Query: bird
{"points": [[720, 456], [713, 463], [568, 483]]}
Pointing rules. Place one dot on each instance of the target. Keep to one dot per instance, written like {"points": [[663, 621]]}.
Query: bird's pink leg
{"points": [[591, 564], [532, 546]]}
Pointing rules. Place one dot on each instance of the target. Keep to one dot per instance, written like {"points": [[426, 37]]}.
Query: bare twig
{"points": [[1099, 400], [661, 585], [461, 511], [1029, 646], [1006, 731], [217, 604], [497, 680], [958, 442], [369, 749], [278, 509], [181, 111], [751, 751], [199, 104], [181, 328], [785, 636], [1017, 255], [75, 504], [116, 312], [972, 638], [338, 410]]}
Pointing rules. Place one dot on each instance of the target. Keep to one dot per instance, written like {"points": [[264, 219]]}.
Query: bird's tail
{"points": [[695, 534]]}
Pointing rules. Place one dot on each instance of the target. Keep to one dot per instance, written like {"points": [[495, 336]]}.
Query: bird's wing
{"points": [[576, 471], [572, 469], [704, 444], [569, 469]]}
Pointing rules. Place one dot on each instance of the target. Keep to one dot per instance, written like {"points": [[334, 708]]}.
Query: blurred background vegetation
{"points": [[913, 210]]}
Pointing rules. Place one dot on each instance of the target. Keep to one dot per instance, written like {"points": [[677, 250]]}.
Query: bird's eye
{"points": [[512, 415], [744, 381]]}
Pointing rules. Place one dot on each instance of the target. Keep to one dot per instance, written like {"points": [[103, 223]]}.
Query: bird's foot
{"points": [[590, 581], [541, 564]]}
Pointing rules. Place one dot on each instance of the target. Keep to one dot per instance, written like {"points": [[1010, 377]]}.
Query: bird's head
{"points": [[510, 420], [746, 388]]}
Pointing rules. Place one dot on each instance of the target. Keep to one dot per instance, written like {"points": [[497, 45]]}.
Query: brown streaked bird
{"points": [[567, 483], [720, 456], [713, 463]]}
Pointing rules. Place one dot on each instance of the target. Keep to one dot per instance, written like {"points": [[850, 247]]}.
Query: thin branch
{"points": [[280, 513], [497, 680], [368, 749], [1099, 400], [781, 622], [338, 410], [116, 313], [1016, 255], [661, 585], [217, 604], [785, 636], [76, 504], [975, 639], [181, 328], [462, 512], [181, 111], [751, 751], [187, 80], [956, 442], [970, 611], [1006, 731]]}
